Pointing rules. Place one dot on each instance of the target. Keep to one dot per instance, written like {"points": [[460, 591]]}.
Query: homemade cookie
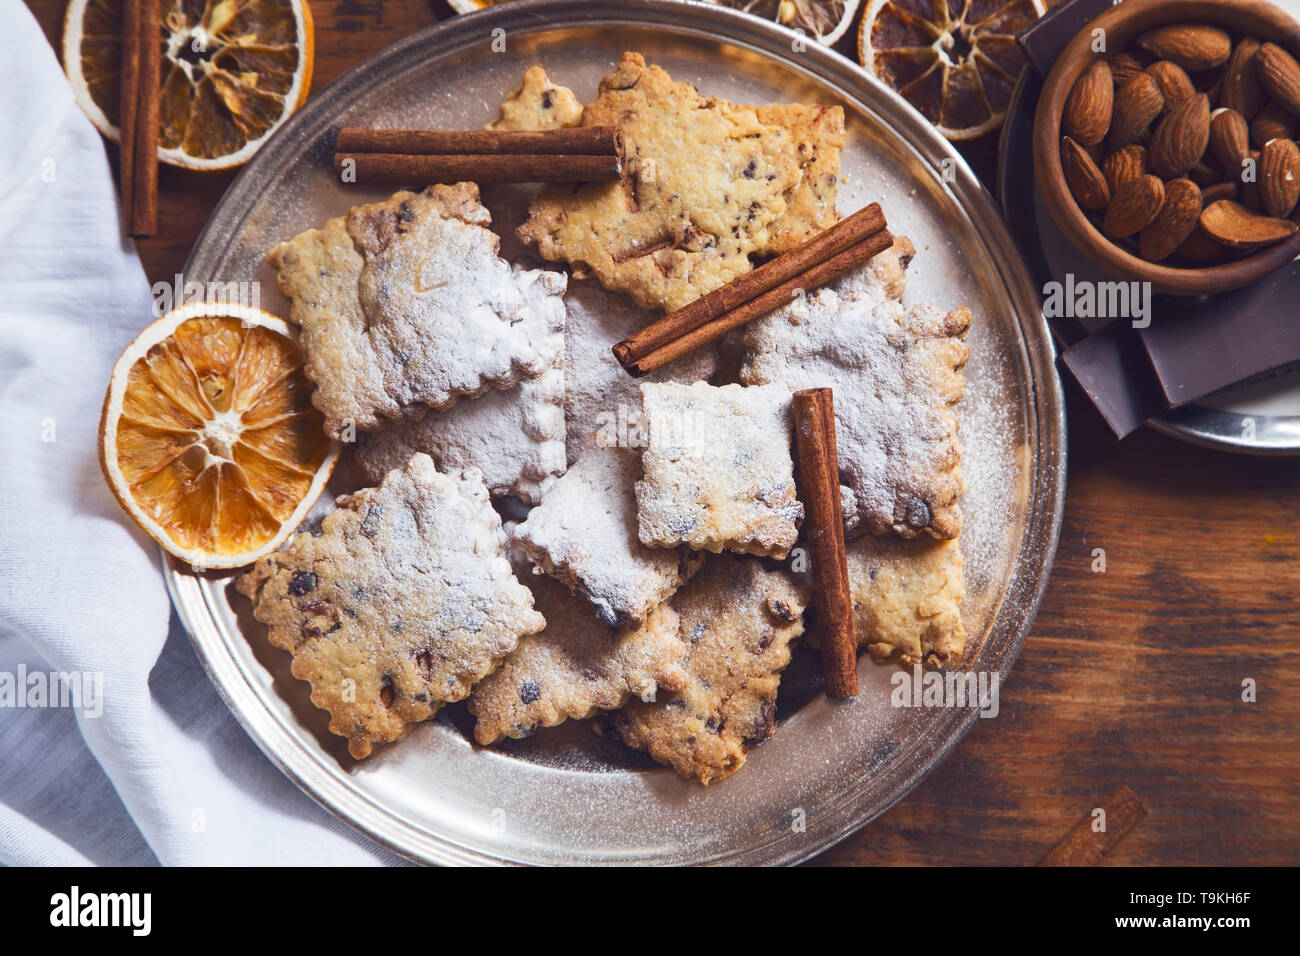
{"points": [[907, 599], [704, 179], [718, 472], [404, 306], [403, 601], [583, 534], [736, 622], [602, 403], [515, 437], [575, 667], [897, 375], [819, 136], [538, 104]]}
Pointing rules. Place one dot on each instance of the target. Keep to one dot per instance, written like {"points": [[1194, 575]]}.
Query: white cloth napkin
{"points": [[164, 773]]}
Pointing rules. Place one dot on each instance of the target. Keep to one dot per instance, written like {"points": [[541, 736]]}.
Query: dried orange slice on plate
{"points": [[232, 71], [823, 20], [208, 437], [469, 6], [954, 60]]}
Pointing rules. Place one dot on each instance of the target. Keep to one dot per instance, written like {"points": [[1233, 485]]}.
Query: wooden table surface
{"points": [[1132, 676]]}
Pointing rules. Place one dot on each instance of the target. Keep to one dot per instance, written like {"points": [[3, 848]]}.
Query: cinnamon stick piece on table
{"points": [[140, 162], [819, 482], [1085, 846], [829, 254], [403, 157]]}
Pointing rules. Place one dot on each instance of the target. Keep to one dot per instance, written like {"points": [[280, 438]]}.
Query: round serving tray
{"points": [[566, 795]]}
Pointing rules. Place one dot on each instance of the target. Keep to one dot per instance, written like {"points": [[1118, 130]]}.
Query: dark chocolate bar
{"points": [[1112, 368], [1201, 345], [1044, 41]]}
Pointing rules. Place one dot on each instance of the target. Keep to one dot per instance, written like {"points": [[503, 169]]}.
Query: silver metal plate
{"points": [[565, 795]]}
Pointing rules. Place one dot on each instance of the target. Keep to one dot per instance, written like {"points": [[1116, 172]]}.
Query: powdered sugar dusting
{"points": [[896, 372]]}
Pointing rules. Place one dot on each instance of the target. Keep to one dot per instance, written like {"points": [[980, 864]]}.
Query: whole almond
{"points": [[1223, 190], [1229, 138], [1087, 109], [1200, 247], [1087, 184], [1193, 46], [1124, 164], [1137, 103], [1280, 76], [1180, 139], [1234, 225], [1279, 177], [1241, 89], [1124, 67], [1175, 85], [1178, 216], [1133, 207], [1271, 122]]}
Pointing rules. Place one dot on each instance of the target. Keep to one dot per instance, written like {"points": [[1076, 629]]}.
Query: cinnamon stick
{"points": [[143, 217], [819, 483], [826, 256], [574, 141], [1084, 845], [406, 169], [415, 156], [128, 105]]}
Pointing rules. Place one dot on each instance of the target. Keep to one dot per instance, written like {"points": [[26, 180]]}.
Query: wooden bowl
{"points": [[1123, 24]]}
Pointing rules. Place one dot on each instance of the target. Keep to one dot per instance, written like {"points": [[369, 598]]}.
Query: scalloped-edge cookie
{"points": [[515, 437], [907, 596], [717, 469], [404, 306], [819, 136], [907, 599], [704, 179], [897, 375], [737, 622], [574, 667], [402, 602], [583, 534], [538, 104]]}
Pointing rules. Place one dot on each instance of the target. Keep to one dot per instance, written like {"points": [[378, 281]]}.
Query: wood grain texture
{"points": [[1132, 676]]}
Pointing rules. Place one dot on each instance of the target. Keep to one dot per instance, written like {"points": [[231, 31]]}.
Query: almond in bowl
{"points": [[1170, 155]]}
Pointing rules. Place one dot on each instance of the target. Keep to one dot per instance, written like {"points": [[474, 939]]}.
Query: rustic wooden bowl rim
{"points": [[1123, 24]]}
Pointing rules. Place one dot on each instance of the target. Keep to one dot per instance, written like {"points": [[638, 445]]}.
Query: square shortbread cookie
{"points": [[404, 306], [516, 437], [718, 471], [403, 601]]}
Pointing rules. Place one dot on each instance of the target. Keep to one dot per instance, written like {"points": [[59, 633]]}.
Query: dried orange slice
{"points": [[469, 6], [823, 20], [232, 71], [208, 437], [954, 60]]}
